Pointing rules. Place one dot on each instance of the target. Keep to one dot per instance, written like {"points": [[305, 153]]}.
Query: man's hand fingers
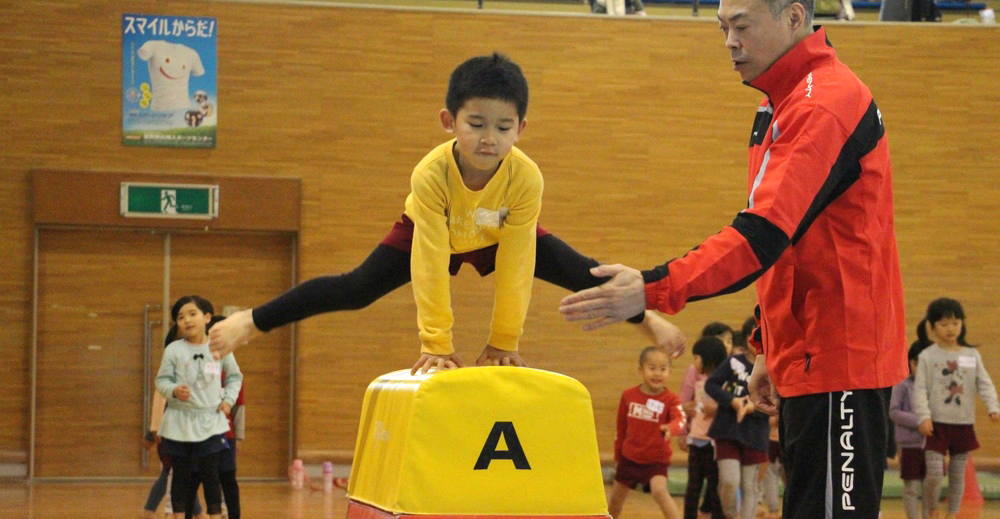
{"points": [[580, 300], [601, 323], [606, 271]]}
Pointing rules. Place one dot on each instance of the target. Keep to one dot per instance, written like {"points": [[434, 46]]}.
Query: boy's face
{"points": [[485, 131], [655, 370]]}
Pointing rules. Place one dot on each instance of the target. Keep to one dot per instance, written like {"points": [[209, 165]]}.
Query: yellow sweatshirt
{"points": [[449, 218]]}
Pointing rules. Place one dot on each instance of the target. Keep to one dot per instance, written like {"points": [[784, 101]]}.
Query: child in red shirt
{"points": [[648, 416]]}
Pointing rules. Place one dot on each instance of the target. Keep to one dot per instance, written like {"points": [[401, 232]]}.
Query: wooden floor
{"points": [[265, 500]]}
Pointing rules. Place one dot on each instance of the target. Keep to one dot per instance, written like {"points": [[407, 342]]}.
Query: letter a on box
{"points": [[514, 451]]}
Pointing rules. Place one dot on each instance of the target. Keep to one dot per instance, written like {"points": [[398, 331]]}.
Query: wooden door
{"points": [[93, 287]]}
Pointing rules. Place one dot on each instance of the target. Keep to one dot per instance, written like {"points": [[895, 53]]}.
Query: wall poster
{"points": [[169, 81]]}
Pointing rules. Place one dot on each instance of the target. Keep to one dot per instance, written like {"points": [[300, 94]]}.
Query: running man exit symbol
{"points": [[168, 201]]}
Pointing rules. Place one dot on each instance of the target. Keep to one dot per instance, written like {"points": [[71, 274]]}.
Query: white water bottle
{"points": [[297, 474], [988, 16], [327, 477]]}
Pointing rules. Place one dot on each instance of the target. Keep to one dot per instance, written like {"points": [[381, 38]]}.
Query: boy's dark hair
{"points": [[650, 349], [488, 77], [203, 304], [942, 308], [712, 352], [716, 329]]}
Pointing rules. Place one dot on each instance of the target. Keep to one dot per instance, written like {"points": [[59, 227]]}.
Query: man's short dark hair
{"points": [[488, 77], [776, 6]]}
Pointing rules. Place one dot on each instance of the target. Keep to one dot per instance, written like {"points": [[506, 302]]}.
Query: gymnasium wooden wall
{"points": [[639, 125]]}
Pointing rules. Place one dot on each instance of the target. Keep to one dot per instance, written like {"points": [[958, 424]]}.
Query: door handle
{"points": [[147, 366]]}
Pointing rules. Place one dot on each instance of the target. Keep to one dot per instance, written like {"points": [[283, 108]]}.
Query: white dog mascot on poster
{"points": [[170, 67]]}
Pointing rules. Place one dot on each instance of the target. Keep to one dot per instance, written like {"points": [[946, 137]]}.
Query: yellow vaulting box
{"points": [[484, 441]]}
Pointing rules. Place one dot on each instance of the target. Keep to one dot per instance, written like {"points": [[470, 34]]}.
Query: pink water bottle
{"points": [[327, 477], [297, 474]]}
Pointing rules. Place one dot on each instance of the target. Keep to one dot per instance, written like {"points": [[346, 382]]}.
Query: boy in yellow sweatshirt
{"points": [[474, 199]]}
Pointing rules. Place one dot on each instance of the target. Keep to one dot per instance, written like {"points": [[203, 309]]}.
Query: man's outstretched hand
{"points": [[616, 300]]}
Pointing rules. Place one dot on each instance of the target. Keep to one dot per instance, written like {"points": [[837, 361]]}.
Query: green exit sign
{"points": [[148, 200]]}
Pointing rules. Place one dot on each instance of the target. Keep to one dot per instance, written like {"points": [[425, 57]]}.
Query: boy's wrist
{"points": [[431, 348], [502, 341]]}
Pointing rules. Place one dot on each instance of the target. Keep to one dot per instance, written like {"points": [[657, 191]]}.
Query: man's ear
{"points": [[796, 16], [447, 120]]}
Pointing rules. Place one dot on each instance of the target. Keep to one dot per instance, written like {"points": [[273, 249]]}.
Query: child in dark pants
{"points": [[708, 353], [197, 404]]}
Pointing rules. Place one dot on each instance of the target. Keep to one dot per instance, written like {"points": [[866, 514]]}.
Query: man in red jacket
{"points": [[817, 236]]}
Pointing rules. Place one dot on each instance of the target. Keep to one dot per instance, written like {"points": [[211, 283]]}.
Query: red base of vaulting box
{"points": [[356, 510]]}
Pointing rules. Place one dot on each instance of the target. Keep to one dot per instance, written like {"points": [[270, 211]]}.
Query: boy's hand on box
{"points": [[440, 362], [496, 357]]}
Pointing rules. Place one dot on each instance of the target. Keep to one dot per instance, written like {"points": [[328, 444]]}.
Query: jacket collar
{"points": [[781, 78]]}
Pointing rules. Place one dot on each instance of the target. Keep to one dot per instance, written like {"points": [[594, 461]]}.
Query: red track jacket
{"points": [[817, 235]]}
